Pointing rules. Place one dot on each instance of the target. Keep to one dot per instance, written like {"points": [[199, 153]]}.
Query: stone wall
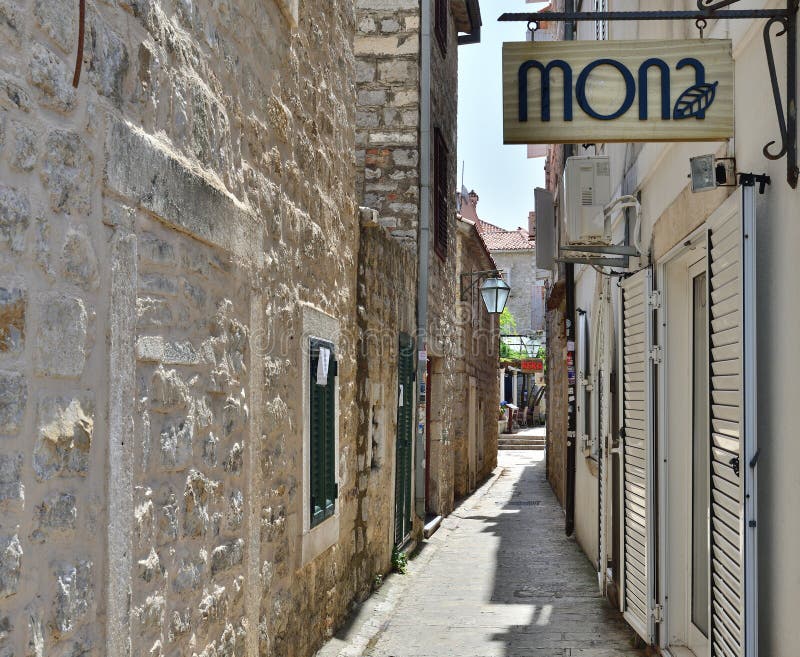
{"points": [[521, 268], [162, 228], [387, 135], [387, 47], [387, 271], [478, 361], [557, 391], [443, 288]]}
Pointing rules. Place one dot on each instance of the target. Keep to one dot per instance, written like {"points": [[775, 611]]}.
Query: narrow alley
{"points": [[499, 579]]}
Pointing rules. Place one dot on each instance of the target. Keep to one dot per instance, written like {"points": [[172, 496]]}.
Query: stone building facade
{"points": [[174, 231], [388, 140], [475, 437], [387, 48], [514, 252], [170, 231], [557, 392], [387, 270]]}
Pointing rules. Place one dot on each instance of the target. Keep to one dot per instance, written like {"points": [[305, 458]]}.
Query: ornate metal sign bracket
{"points": [[706, 9]]}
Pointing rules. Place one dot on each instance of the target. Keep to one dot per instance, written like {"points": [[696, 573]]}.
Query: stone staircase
{"points": [[534, 439]]}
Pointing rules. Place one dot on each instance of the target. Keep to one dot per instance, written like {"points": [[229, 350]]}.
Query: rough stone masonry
{"points": [[172, 233], [161, 228]]}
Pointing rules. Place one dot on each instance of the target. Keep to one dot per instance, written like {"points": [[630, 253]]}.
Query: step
{"points": [[532, 448], [522, 439]]}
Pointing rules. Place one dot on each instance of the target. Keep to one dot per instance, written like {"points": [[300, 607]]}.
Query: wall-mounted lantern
{"points": [[494, 290]]}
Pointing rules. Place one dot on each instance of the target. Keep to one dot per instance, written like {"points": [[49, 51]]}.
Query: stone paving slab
{"points": [[499, 579]]}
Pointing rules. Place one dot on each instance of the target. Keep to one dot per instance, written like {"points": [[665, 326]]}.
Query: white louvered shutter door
{"points": [[604, 351], [637, 502], [732, 389]]}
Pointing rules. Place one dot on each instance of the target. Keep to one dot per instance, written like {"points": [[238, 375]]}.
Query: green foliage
{"points": [[508, 324], [399, 561]]}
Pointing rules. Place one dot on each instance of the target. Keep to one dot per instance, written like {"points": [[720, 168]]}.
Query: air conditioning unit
{"points": [[588, 192]]}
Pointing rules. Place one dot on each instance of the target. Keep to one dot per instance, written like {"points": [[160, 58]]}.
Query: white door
{"points": [[697, 525], [636, 440], [732, 386], [602, 435]]}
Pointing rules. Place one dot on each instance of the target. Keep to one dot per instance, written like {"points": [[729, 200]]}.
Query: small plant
{"points": [[399, 561], [377, 582]]}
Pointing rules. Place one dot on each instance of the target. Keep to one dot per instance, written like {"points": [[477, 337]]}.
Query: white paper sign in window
{"points": [[322, 366]]}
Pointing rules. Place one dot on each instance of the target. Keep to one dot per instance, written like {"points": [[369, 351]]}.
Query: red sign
{"points": [[533, 365]]}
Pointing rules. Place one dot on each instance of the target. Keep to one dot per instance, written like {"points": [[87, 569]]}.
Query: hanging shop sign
{"points": [[574, 92], [532, 365]]}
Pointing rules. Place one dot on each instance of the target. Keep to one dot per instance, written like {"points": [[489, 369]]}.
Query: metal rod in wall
{"points": [[592, 16], [791, 99]]}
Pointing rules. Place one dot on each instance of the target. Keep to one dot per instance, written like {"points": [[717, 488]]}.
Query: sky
{"points": [[503, 176]]}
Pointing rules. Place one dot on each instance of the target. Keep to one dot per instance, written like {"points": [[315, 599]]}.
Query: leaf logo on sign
{"points": [[694, 102]]}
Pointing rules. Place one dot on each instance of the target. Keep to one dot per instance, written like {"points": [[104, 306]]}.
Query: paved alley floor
{"points": [[499, 579]]}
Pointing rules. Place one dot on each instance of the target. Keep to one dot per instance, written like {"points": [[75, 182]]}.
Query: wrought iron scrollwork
{"points": [[776, 90], [787, 112], [713, 5], [785, 18]]}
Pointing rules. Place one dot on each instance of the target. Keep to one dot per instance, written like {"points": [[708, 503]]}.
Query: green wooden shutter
{"points": [[316, 453], [403, 452], [329, 440], [323, 486]]}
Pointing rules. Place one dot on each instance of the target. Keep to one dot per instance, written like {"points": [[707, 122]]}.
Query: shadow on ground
{"points": [[544, 575]]}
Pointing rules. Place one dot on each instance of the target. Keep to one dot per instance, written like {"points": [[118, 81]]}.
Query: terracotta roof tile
{"points": [[500, 239]]}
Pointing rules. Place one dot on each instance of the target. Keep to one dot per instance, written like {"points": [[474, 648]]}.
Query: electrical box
{"points": [[703, 175], [588, 191]]}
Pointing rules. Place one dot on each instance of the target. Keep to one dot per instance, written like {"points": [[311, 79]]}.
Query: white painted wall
{"points": [[660, 172]]}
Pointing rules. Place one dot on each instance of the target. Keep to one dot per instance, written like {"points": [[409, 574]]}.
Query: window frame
{"points": [[325, 443], [316, 539], [441, 229]]}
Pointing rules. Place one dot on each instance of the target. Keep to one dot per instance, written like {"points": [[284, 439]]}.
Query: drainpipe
{"points": [[423, 246], [572, 428]]}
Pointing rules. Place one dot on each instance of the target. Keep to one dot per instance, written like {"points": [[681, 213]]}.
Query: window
{"points": [[440, 177], [322, 431], [441, 23], [319, 410]]}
